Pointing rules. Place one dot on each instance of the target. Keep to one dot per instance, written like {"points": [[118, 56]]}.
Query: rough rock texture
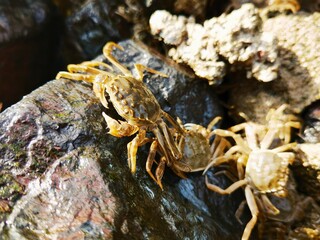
{"points": [[27, 31], [231, 38], [88, 25], [293, 208], [63, 177], [307, 169], [298, 84]]}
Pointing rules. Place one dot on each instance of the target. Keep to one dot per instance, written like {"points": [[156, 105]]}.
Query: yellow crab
{"points": [[282, 123], [283, 5], [134, 102], [194, 144], [262, 169]]}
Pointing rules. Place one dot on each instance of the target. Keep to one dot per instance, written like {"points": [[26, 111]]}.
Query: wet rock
{"points": [[88, 25], [298, 82], [28, 30], [65, 177]]}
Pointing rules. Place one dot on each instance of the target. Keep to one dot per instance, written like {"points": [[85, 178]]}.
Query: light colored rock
{"points": [[233, 38]]}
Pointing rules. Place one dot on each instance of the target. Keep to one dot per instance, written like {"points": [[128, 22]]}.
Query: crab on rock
{"points": [[261, 168], [134, 102]]}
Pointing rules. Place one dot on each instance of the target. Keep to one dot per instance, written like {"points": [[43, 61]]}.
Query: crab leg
{"points": [[73, 68], [285, 147], [133, 148], [268, 139], [286, 133], [169, 141], [160, 170], [213, 123], [254, 212], [96, 64], [229, 190], [237, 138], [140, 68], [218, 150], [268, 206], [107, 49], [150, 160], [120, 129], [173, 122], [76, 76], [240, 210]]}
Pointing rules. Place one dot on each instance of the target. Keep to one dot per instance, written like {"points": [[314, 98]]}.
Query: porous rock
{"points": [[298, 83], [233, 38], [63, 176]]}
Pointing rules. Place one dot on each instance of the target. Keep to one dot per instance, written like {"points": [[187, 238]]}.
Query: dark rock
{"points": [[311, 119], [63, 176], [88, 26], [307, 170], [29, 42]]}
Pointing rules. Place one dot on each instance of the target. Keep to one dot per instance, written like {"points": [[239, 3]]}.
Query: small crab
{"points": [[133, 101], [261, 170], [194, 144], [284, 5], [282, 123], [294, 209], [279, 6]]}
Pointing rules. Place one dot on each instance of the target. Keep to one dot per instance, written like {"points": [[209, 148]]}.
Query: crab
{"points": [[261, 169], [282, 123], [194, 144], [279, 6], [284, 5], [294, 209], [134, 102]]}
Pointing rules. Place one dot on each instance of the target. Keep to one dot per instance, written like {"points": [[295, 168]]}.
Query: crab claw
{"points": [[119, 128]]}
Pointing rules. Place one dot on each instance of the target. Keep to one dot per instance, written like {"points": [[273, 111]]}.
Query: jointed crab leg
{"points": [[285, 147], [160, 171], [150, 160], [76, 76], [229, 190], [254, 212], [169, 142], [250, 200], [96, 64], [107, 49], [133, 148], [140, 68], [173, 122], [237, 138]]}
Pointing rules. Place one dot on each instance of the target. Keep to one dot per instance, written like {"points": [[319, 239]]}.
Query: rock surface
{"points": [[208, 48], [64, 177], [27, 31], [298, 83]]}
